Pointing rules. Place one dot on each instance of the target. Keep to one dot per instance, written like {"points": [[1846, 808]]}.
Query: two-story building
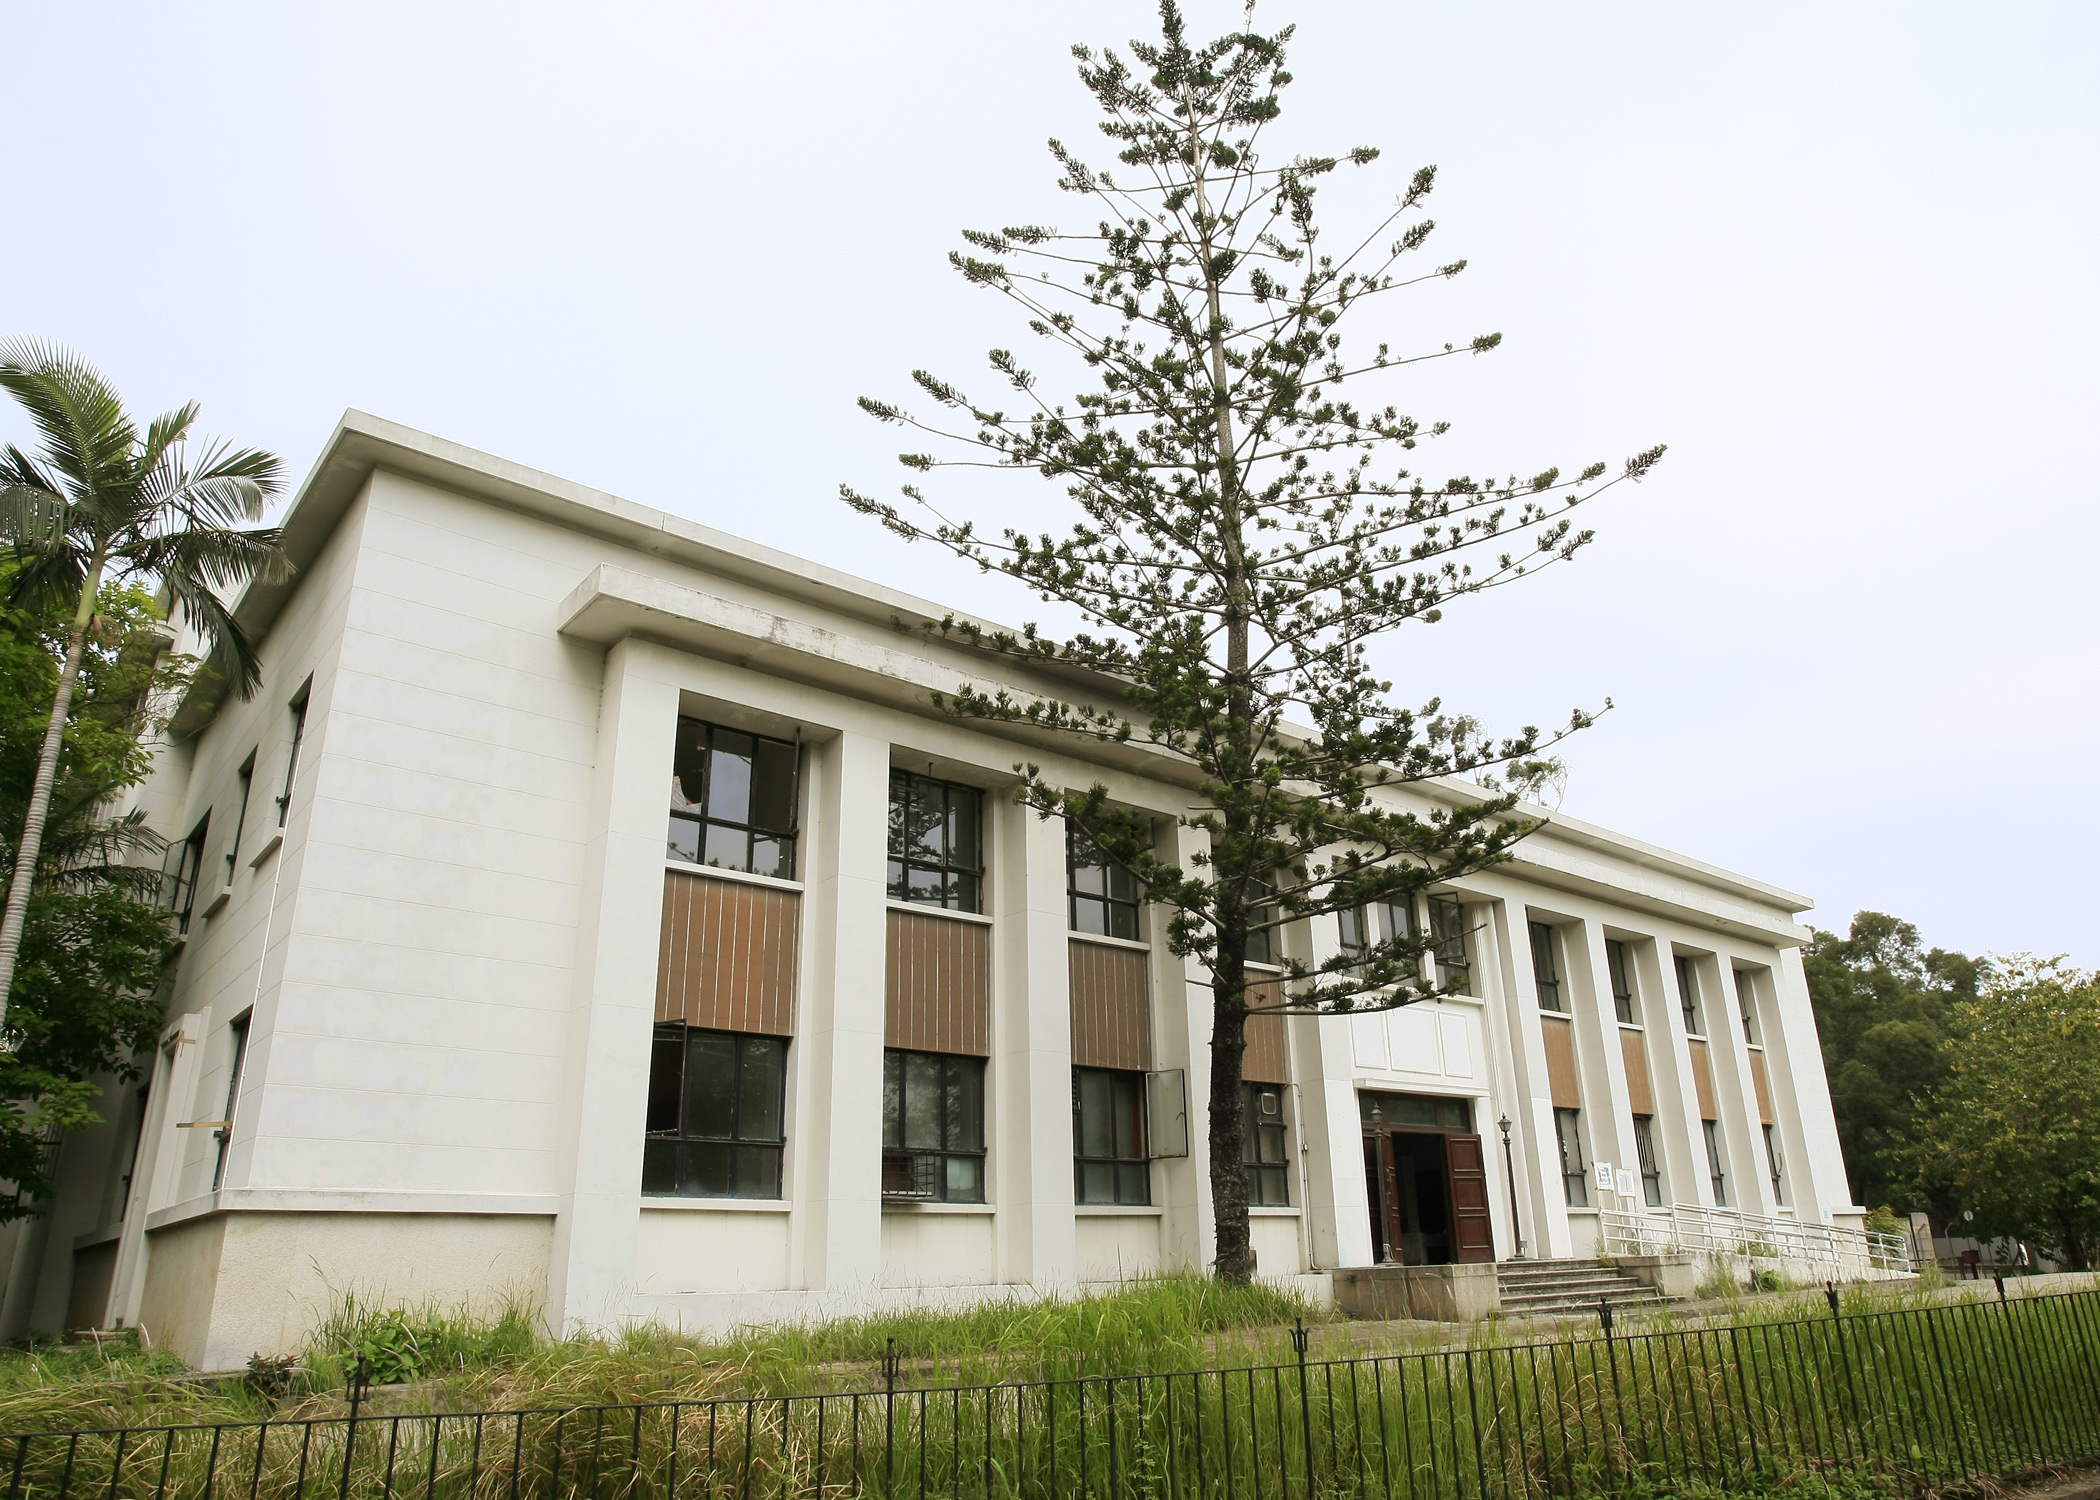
{"points": [[591, 909]]}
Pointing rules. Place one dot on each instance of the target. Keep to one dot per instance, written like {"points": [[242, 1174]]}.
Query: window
{"points": [[1574, 1171], [233, 1097], [291, 760], [1620, 962], [1651, 1169], [1415, 1109], [1104, 896], [1713, 1163], [936, 843], [932, 1126], [733, 798], [1447, 924], [1355, 928], [182, 886], [717, 1110], [1262, 1146], [1688, 996], [1261, 945], [1108, 1137], [1777, 1163], [1746, 1003], [240, 821], [1545, 970]]}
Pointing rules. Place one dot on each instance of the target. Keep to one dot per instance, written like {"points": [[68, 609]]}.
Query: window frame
{"points": [[291, 760], [1625, 993], [940, 1190], [245, 776], [1746, 1007], [1689, 1000], [771, 1148], [1650, 1161], [1080, 856], [960, 884], [189, 870], [1716, 1170], [700, 814], [1775, 1160], [239, 1028], [1358, 917], [1545, 969], [1447, 926], [1265, 1174], [1126, 1170], [1575, 1176]]}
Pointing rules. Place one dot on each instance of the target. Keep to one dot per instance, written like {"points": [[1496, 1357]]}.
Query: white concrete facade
{"points": [[445, 960]]}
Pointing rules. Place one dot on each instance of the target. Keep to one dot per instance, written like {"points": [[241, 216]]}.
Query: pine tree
{"points": [[1247, 529]]}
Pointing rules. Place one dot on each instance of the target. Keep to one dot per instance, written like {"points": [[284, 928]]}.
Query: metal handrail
{"points": [[1699, 1229]]}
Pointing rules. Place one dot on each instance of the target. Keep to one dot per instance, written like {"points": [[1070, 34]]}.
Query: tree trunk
{"points": [[32, 842], [1228, 1125]]}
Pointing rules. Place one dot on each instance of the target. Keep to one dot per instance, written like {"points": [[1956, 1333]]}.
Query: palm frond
{"points": [[223, 487], [51, 578], [87, 435], [230, 655], [32, 517]]}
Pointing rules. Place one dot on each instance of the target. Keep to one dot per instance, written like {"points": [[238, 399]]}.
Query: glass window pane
{"points": [[775, 857], [1130, 1114], [710, 1084], [1096, 1114], [929, 817], [762, 1090], [965, 1182], [1133, 1183], [728, 848], [1097, 1182], [969, 895], [1123, 921], [1089, 879], [922, 1101], [660, 1168], [729, 777], [965, 817], [687, 762], [708, 1168], [773, 786], [893, 1099], [1122, 885], [683, 841], [925, 885], [897, 889], [757, 1171], [900, 804], [1089, 915], [965, 1125], [666, 1078]]}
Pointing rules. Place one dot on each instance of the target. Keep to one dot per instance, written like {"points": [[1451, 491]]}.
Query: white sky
{"points": [[1842, 259]]}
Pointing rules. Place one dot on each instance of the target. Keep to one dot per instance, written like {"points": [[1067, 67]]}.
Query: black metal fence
{"points": [[1912, 1401]]}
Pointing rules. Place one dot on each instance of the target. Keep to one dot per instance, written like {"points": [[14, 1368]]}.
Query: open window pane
{"points": [[714, 1095], [773, 786]]}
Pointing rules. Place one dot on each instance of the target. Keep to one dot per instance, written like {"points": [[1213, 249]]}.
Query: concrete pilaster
{"points": [[1742, 1131], [1682, 1140], [591, 1270], [1815, 1162], [1607, 1108], [1538, 1164]]}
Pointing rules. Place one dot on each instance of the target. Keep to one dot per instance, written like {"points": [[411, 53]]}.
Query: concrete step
{"points": [[1633, 1291]]}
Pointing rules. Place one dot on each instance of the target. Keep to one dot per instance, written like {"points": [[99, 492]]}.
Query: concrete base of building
{"points": [[1676, 1275], [1438, 1294]]}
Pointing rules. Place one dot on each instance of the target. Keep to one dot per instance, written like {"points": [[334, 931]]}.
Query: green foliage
{"points": [[1882, 1004], [398, 1344], [1885, 1220], [1247, 526], [2013, 1130], [81, 1002]]}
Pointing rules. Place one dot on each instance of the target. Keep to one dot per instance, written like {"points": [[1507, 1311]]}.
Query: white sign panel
{"points": [[1604, 1178], [1628, 1183]]}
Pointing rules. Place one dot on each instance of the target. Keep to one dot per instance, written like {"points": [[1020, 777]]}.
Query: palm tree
{"points": [[101, 503]]}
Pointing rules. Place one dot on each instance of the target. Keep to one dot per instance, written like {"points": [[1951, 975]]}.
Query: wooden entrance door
{"points": [[1472, 1235]]}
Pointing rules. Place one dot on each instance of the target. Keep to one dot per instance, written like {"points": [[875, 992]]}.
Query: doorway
{"points": [[1426, 1180]]}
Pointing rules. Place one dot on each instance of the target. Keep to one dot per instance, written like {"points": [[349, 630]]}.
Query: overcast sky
{"points": [[1842, 259]]}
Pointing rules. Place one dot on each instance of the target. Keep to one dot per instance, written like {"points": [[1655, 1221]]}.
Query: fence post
{"points": [[1299, 1339], [891, 1367], [360, 1381]]}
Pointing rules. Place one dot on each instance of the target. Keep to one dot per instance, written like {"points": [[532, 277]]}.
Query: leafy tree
{"points": [[1883, 1005], [2013, 1130], [104, 502], [94, 938], [1247, 528]]}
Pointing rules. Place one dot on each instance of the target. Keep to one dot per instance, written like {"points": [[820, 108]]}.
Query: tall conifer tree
{"points": [[1247, 528]]}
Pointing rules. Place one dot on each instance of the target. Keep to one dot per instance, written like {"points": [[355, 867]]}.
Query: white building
{"points": [[483, 1027]]}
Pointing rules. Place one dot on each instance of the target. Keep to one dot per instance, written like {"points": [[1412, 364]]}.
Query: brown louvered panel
{"points": [[726, 956], [1560, 1063], [1265, 1060], [1764, 1089], [1639, 1092], [1111, 1007], [1703, 1081], [937, 985]]}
